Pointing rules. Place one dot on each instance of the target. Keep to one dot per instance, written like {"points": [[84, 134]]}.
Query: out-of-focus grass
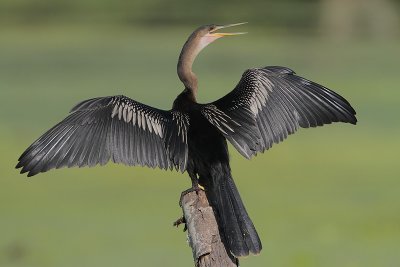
{"points": [[324, 197]]}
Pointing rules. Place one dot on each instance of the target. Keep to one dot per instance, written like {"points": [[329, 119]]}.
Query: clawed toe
{"points": [[196, 189], [180, 221]]}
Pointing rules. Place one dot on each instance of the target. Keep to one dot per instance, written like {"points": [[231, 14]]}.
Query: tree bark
{"points": [[203, 232]]}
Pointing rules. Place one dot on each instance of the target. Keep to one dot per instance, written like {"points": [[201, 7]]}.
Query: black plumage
{"points": [[266, 106], [273, 103], [111, 128]]}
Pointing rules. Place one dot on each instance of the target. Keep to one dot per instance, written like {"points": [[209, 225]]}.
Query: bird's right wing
{"points": [[270, 103], [113, 128]]}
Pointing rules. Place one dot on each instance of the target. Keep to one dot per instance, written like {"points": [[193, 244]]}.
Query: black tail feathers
{"points": [[239, 233]]}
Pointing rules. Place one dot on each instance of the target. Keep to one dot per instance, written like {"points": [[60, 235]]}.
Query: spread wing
{"points": [[113, 128], [270, 103]]}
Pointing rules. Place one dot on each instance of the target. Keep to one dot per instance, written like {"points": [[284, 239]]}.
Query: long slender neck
{"points": [[190, 50], [185, 62]]}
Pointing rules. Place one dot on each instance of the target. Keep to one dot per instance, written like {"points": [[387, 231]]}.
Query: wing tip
{"points": [[30, 174], [354, 121], [23, 170], [19, 165]]}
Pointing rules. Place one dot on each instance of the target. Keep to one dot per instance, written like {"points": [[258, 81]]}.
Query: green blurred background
{"points": [[325, 197]]}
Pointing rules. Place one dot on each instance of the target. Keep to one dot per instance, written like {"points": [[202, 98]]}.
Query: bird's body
{"points": [[266, 106]]}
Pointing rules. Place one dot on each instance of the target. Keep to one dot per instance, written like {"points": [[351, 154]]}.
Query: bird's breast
{"points": [[206, 144]]}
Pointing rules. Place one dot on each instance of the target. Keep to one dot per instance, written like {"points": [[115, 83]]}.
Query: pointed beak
{"points": [[221, 34]]}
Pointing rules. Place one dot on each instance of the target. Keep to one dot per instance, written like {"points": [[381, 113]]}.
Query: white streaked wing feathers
{"points": [[116, 128], [274, 103]]}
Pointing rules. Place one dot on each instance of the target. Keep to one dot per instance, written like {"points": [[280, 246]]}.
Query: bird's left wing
{"points": [[113, 128], [270, 103]]}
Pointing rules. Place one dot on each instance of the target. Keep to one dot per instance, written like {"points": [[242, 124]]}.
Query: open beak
{"points": [[221, 34]]}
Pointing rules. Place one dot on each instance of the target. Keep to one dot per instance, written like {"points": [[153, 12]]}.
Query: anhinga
{"points": [[266, 106]]}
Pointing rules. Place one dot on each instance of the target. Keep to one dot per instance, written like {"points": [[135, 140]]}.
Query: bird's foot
{"points": [[180, 221], [195, 188]]}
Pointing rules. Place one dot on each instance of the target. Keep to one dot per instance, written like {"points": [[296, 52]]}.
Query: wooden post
{"points": [[203, 232]]}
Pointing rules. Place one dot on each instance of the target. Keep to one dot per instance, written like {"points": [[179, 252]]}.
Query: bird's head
{"points": [[207, 34], [199, 39]]}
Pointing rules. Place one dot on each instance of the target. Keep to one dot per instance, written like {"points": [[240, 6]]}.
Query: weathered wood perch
{"points": [[203, 232]]}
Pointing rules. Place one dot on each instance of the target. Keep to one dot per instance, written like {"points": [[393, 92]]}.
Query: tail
{"points": [[239, 233]]}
